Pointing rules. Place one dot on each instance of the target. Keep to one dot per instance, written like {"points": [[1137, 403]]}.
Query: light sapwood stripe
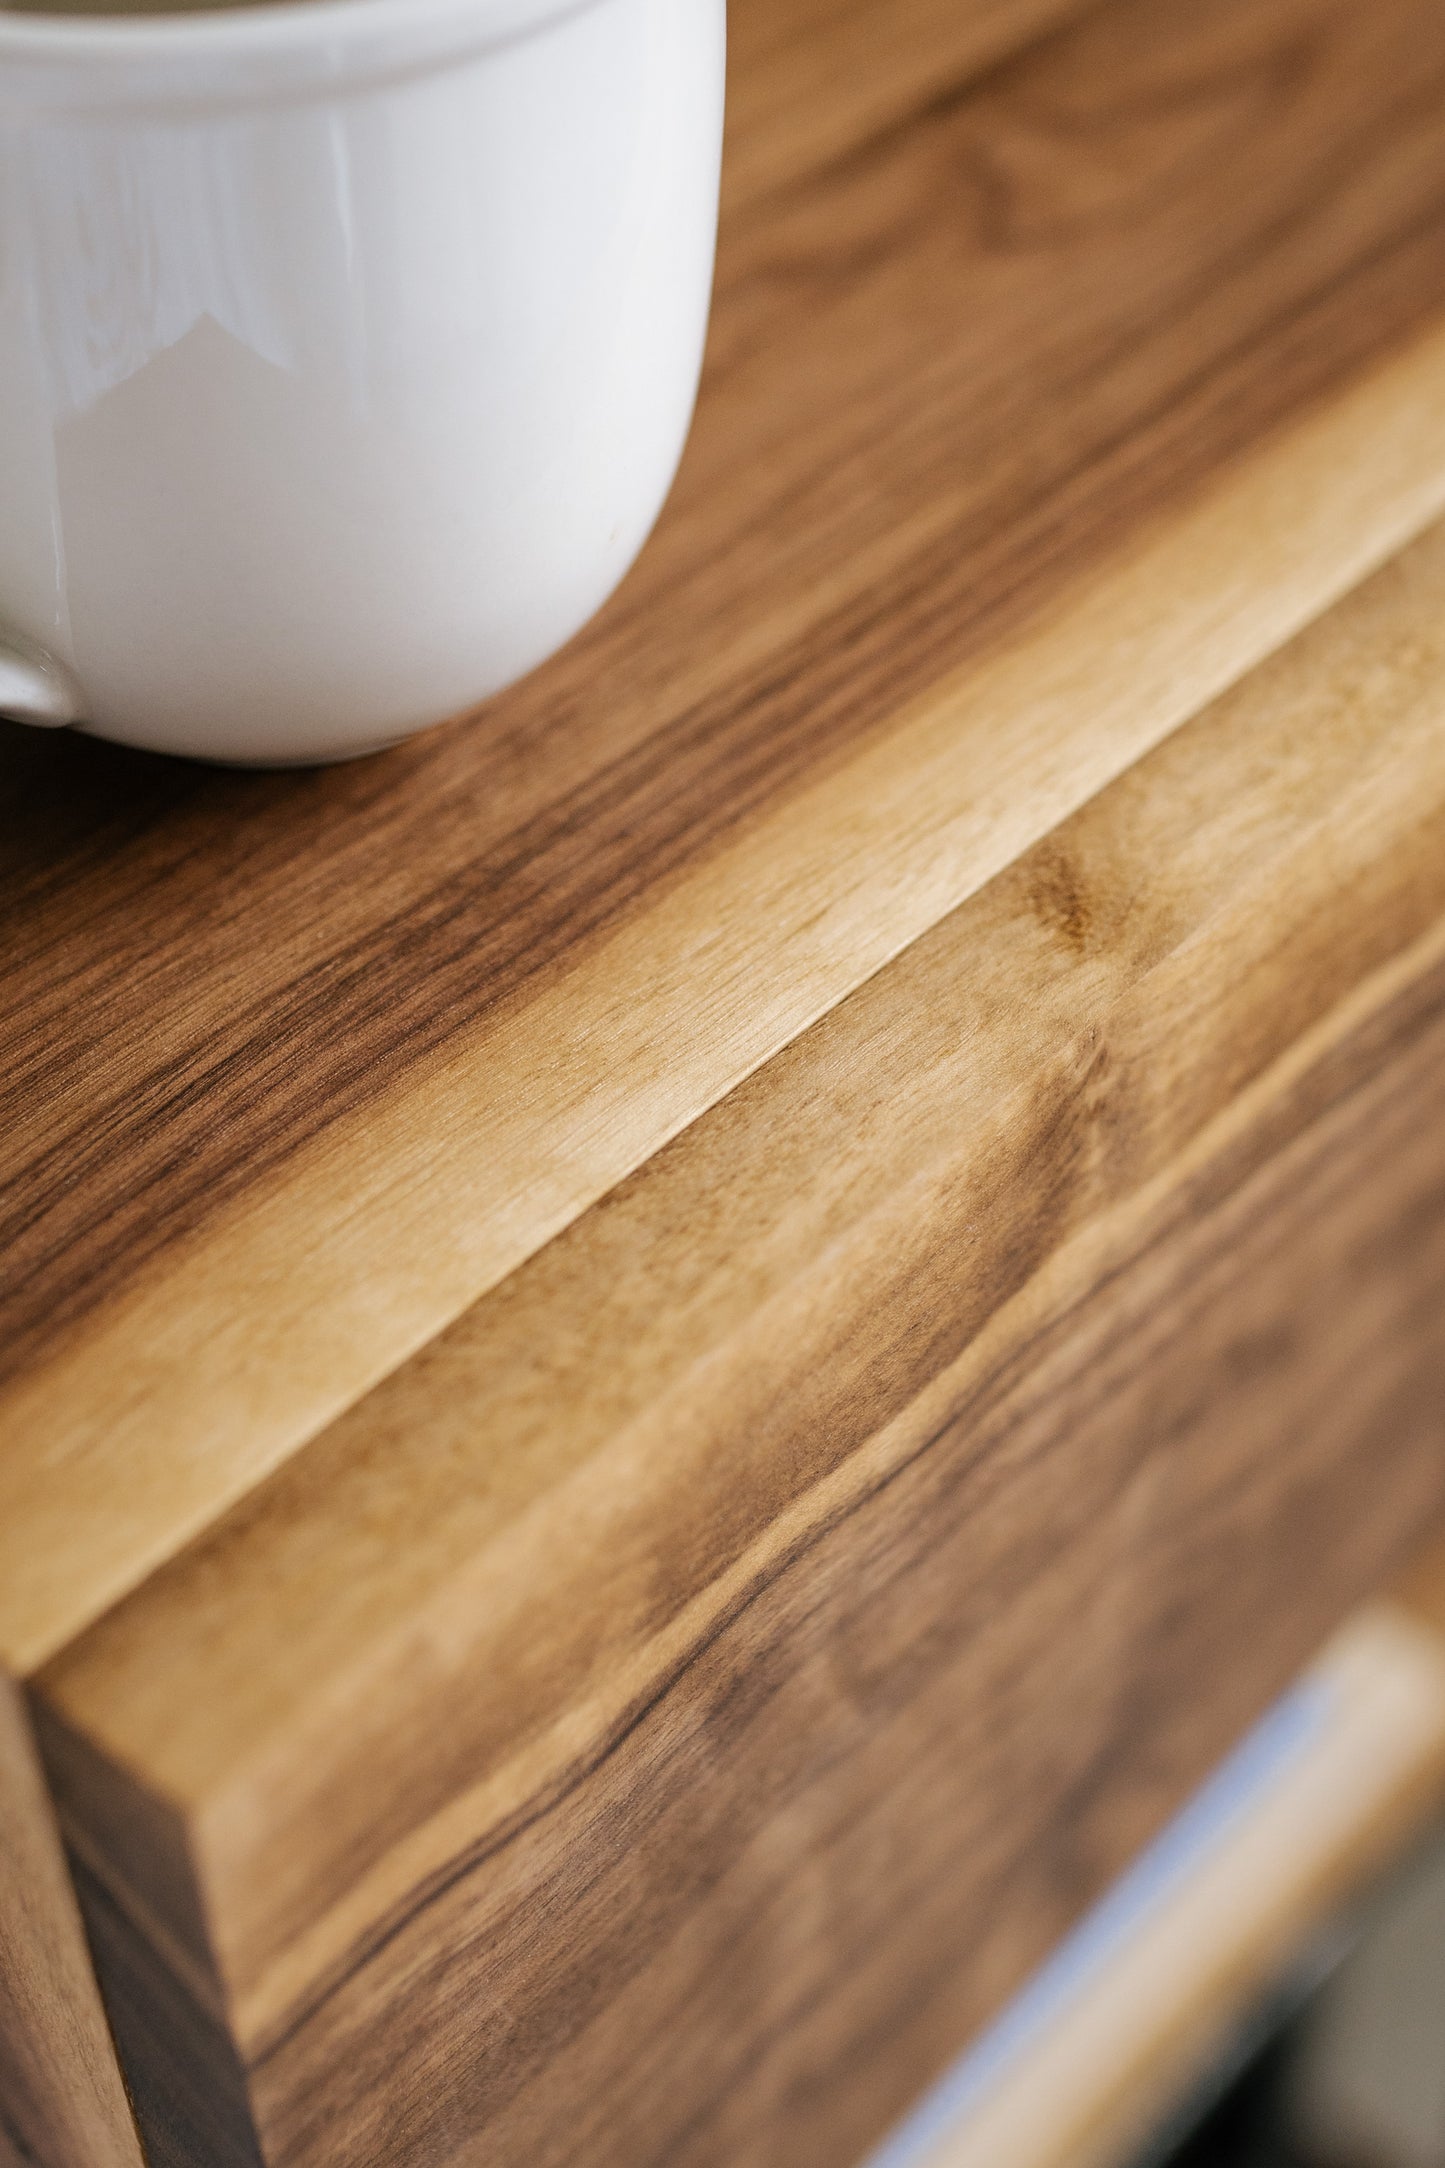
{"points": [[214, 1366], [62, 2104]]}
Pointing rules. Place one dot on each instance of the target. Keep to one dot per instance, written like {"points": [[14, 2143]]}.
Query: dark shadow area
{"points": [[1345, 2066]]}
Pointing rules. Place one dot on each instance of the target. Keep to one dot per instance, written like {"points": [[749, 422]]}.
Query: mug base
{"points": [[278, 760], [312, 760]]}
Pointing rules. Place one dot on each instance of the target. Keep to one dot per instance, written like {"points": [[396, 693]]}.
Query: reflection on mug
{"points": [[330, 410]]}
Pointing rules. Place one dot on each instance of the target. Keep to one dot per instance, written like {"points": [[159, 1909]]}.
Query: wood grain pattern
{"points": [[1028, 424], [515, 1776], [704, 1887], [62, 2104], [582, 1299]]}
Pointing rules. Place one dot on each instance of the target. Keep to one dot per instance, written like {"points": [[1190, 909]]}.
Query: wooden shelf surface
{"points": [[674, 1361]]}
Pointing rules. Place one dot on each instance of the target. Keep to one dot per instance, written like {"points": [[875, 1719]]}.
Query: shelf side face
{"points": [[62, 2102]]}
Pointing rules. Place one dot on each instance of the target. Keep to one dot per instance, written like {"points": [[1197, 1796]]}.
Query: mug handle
{"points": [[34, 688]]}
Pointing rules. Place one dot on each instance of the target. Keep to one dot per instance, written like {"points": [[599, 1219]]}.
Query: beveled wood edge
{"points": [[293, 1305], [62, 2100]]}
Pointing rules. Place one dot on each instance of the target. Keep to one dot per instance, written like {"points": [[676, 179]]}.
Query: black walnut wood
{"points": [[948, 371]]}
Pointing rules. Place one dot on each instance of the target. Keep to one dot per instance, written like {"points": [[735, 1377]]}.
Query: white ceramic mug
{"points": [[347, 350]]}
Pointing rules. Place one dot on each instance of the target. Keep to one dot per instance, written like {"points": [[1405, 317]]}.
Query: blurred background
{"points": [[1265, 1987], [1346, 2067]]}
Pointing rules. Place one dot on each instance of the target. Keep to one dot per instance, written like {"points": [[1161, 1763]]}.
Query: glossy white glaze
{"points": [[347, 348]]}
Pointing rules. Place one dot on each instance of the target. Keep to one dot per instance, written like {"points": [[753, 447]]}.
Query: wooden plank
{"points": [[62, 2104], [1024, 432], [532, 1744]]}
